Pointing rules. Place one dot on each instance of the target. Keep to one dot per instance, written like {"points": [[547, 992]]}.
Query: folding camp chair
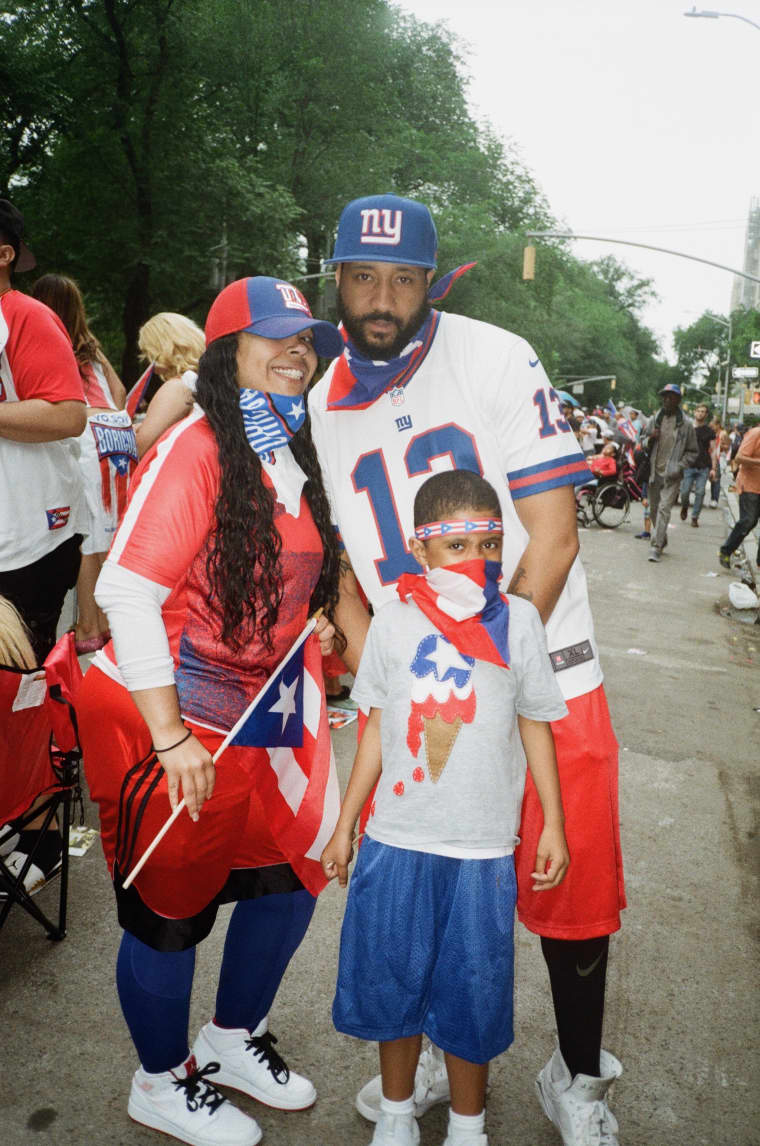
{"points": [[39, 757]]}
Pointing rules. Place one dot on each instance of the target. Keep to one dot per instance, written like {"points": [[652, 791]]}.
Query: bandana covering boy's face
{"points": [[464, 603]]}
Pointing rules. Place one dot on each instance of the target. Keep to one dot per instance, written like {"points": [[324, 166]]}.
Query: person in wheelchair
{"points": [[605, 465]]}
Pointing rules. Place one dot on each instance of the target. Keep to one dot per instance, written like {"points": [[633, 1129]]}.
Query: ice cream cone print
{"points": [[439, 740]]}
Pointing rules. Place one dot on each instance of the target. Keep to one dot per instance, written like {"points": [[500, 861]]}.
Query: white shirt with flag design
{"points": [[480, 401], [40, 483]]}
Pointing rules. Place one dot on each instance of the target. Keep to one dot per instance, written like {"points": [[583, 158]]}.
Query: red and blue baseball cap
{"points": [[671, 388], [271, 308], [386, 229]]}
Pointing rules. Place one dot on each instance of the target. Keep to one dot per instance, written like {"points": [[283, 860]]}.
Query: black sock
{"points": [[49, 851], [577, 972]]}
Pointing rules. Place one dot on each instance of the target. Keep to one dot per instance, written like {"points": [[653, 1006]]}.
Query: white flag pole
{"points": [[310, 625]]}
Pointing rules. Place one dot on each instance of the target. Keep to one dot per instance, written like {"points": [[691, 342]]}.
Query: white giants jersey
{"points": [[480, 401]]}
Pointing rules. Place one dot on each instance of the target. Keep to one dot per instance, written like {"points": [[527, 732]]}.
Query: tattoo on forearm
{"points": [[344, 565], [519, 575]]}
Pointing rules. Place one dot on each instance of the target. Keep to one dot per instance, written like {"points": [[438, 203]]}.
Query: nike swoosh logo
{"points": [[584, 971], [532, 362]]}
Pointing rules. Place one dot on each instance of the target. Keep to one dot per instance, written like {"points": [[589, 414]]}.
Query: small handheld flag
{"points": [[295, 769]]}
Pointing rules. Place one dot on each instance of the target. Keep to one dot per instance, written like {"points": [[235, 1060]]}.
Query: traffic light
{"points": [[529, 263]]}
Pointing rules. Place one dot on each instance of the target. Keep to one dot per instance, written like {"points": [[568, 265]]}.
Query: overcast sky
{"points": [[635, 121]]}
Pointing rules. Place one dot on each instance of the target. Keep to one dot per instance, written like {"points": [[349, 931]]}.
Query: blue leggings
{"points": [[154, 986]]}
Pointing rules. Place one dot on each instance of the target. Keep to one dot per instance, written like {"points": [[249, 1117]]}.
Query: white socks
{"points": [[405, 1106], [466, 1124]]}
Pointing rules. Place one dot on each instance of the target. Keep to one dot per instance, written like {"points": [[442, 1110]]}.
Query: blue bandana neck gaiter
{"points": [[270, 420]]}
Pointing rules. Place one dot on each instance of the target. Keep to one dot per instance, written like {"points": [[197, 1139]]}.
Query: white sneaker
{"points": [[578, 1107], [395, 1130], [431, 1086], [186, 1105], [35, 879], [248, 1062]]}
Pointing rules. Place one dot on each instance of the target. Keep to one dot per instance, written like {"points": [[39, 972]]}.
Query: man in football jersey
{"points": [[41, 405], [418, 391]]}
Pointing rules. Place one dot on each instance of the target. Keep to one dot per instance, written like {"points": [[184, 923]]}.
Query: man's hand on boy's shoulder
{"points": [[552, 859]]}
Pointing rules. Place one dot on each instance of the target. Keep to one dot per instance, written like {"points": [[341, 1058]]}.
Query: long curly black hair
{"points": [[245, 581]]}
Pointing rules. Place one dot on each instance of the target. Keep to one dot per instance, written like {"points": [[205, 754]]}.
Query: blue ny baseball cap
{"points": [[671, 388], [386, 229], [271, 308]]}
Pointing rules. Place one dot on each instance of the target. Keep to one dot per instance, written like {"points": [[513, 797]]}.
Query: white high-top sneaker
{"points": [[395, 1130], [248, 1062], [185, 1104], [578, 1106]]}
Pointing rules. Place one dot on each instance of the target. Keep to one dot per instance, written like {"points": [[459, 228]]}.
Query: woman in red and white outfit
{"points": [[224, 551], [107, 451]]}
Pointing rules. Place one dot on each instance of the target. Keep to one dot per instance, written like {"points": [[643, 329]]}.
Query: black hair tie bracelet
{"points": [[187, 736]]}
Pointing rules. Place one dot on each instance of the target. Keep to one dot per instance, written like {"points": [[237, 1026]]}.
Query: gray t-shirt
{"points": [[453, 763]]}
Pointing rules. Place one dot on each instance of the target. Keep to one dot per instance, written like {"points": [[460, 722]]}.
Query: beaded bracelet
{"points": [[176, 745]]}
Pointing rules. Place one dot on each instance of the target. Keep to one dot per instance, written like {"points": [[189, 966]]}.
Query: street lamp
{"points": [[729, 326], [709, 15]]}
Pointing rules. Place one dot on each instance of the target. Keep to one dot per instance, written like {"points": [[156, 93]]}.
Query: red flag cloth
{"points": [[137, 393], [464, 604], [269, 805], [62, 669], [298, 783]]}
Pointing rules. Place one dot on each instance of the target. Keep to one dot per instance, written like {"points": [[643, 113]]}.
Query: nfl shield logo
{"points": [[397, 396]]}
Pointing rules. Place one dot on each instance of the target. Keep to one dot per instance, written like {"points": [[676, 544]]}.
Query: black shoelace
{"points": [[263, 1049], [199, 1092]]}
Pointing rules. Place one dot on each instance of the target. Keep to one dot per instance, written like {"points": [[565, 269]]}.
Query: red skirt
{"points": [[589, 900], [191, 865]]}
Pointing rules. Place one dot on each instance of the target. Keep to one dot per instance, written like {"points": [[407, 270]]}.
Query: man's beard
{"points": [[354, 326]]}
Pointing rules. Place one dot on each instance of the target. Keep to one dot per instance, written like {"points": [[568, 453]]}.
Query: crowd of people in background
{"points": [[678, 457]]}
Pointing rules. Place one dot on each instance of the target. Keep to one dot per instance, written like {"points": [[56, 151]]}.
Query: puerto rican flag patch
{"points": [[58, 517]]}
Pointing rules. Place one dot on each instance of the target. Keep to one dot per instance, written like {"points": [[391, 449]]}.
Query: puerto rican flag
{"points": [[464, 603], [137, 393], [295, 768]]}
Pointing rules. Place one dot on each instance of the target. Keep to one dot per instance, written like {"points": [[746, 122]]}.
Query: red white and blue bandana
{"points": [[465, 525], [464, 603], [357, 381], [270, 420]]}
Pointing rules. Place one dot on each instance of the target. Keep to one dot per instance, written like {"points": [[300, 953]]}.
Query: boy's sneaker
{"points": [[644, 535], [186, 1105], [724, 559], [578, 1106], [396, 1130], [247, 1061], [431, 1086]]}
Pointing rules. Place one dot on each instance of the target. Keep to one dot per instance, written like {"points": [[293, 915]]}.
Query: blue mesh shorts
{"points": [[427, 947]]}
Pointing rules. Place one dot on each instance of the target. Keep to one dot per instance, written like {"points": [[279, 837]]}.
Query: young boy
{"points": [[454, 676]]}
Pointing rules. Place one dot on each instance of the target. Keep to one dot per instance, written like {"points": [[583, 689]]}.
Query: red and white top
{"points": [[155, 588], [97, 391], [480, 401], [40, 482]]}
